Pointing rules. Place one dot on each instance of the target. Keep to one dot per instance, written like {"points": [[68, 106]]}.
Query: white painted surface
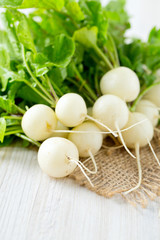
{"points": [[35, 207]]}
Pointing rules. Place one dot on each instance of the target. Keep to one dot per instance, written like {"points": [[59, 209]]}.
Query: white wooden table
{"points": [[36, 207]]}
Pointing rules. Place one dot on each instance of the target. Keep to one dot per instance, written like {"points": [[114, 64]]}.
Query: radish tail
{"points": [[139, 170], [154, 154], [101, 124], [123, 142], [93, 161], [82, 170]]}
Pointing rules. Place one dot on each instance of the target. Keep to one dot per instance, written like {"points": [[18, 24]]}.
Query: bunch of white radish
{"points": [[58, 157], [124, 83]]}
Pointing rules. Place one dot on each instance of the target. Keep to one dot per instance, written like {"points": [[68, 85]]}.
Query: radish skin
{"points": [[140, 133], [149, 109], [153, 95], [122, 82], [89, 111], [71, 110], [87, 141], [137, 137], [38, 122], [54, 154], [111, 110], [63, 129]]}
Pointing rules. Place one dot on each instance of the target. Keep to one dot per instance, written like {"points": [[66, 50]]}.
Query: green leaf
{"points": [[46, 4], [10, 3], [6, 75], [9, 37], [39, 63], [2, 128], [40, 71], [75, 11], [79, 53], [63, 50], [22, 29], [12, 122], [96, 16], [13, 90], [118, 19], [154, 36], [58, 75], [8, 105], [7, 141], [27, 94], [4, 58], [24, 35], [87, 37], [52, 23]]}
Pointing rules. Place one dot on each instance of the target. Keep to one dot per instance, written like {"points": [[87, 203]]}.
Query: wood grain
{"points": [[36, 207]]}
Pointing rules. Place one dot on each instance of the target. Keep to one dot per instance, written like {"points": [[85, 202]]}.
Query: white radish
{"points": [[87, 142], [113, 112], [149, 109], [137, 137], [58, 157], [122, 82], [63, 133], [54, 154], [38, 122], [153, 95], [71, 111], [141, 133]]}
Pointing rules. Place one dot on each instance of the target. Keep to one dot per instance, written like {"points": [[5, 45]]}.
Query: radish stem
{"points": [[33, 77]]}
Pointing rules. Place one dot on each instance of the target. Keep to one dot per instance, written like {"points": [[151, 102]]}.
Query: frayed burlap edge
{"points": [[117, 173]]}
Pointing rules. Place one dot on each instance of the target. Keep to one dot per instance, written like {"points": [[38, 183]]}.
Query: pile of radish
{"points": [[71, 131]]}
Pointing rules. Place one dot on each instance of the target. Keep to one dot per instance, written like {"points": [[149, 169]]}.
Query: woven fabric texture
{"points": [[117, 173]]}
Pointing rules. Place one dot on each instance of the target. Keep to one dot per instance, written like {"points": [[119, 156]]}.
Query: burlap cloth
{"points": [[117, 172]]}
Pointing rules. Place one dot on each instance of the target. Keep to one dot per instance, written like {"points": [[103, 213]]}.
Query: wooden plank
{"points": [[36, 207]]}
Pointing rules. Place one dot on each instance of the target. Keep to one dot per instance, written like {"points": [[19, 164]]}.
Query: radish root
{"points": [[123, 142], [103, 125], [73, 131], [94, 162], [139, 171], [154, 154], [78, 163], [137, 123], [103, 132]]}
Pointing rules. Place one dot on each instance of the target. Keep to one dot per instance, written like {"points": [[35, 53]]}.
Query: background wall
{"points": [[145, 15]]}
